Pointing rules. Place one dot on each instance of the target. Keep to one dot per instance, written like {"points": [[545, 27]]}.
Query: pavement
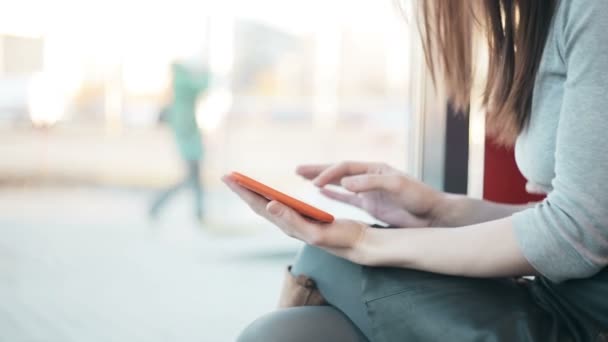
{"points": [[86, 264]]}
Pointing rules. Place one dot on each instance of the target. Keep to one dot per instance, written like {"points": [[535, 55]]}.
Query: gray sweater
{"points": [[564, 151]]}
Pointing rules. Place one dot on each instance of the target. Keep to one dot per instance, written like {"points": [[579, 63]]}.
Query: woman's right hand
{"points": [[384, 192]]}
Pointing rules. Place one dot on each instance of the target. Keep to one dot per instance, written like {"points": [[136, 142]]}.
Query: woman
{"points": [[423, 281]]}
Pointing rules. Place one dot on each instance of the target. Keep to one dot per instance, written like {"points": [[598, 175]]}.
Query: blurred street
{"points": [[96, 121], [89, 266], [81, 261]]}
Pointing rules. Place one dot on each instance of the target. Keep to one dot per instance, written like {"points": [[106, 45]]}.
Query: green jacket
{"points": [[187, 86]]}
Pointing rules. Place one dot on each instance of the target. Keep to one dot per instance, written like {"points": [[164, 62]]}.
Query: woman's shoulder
{"points": [[572, 14]]}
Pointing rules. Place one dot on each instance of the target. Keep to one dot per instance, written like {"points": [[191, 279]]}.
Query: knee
{"points": [[310, 260], [312, 252], [266, 328], [302, 324]]}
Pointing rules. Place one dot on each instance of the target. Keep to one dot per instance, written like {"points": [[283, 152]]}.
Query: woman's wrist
{"points": [[376, 247], [453, 210], [366, 249], [446, 210]]}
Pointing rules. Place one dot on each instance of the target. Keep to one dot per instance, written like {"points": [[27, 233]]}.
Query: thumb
{"points": [[363, 183], [281, 212]]}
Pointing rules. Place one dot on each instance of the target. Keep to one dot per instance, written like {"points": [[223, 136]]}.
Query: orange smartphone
{"points": [[272, 194]]}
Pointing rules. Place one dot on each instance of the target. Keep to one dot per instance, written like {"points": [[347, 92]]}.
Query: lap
{"points": [[418, 305], [302, 324], [338, 280], [398, 304]]}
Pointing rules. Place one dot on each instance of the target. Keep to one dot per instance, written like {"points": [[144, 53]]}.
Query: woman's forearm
{"points": [[459, 210], [483, 250]]}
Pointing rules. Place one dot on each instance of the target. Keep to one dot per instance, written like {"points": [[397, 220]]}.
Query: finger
{"points": [[351, 199], [340, 233], [334, 173], [310, 171], [291, 222], [362, 183], [255, 201]]}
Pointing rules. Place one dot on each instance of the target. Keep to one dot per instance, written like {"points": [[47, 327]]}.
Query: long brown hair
{"points": [[516, 31]]}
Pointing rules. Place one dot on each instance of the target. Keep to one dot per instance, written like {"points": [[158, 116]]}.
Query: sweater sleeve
{"points": [[566, 236]]}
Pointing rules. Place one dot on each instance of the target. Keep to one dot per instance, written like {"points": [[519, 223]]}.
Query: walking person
{"points": [[187, 85]]}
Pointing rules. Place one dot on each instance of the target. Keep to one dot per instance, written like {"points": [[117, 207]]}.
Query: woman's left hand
{"points": [[341, 237]]}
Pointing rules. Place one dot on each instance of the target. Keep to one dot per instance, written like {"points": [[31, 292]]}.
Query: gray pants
{"points": [[409, 305], [318, 323]]}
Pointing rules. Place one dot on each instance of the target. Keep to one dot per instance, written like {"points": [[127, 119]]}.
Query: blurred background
{"points": [[87, 145]]}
